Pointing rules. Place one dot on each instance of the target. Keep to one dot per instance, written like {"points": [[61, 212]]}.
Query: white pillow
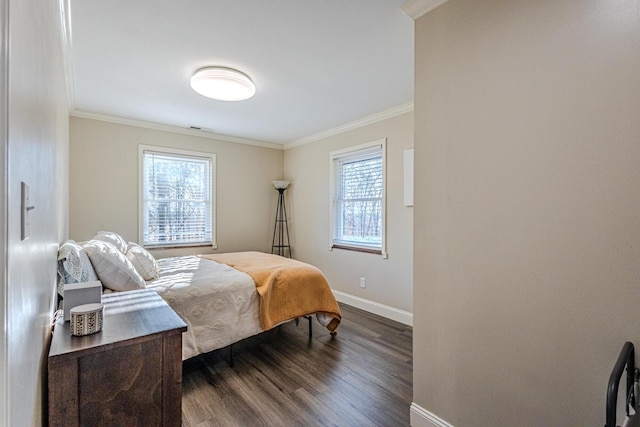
{"points": [[143, 261], [114, 238], [113, 268]]}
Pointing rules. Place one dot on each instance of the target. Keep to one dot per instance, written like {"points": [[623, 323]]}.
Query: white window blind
{"points": [[177, 195], [358, 198]]}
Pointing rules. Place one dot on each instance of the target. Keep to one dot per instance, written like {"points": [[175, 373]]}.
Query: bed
{"points": [[223, 298], [625, 362]]}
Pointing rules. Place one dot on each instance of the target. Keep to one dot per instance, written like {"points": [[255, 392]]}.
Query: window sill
{"points": [[187, 246], [357, 249]]}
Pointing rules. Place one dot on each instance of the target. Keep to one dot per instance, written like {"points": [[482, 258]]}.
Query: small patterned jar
{"points": [[86, 319]]}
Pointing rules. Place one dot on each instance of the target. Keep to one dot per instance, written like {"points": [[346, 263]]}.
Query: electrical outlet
{"points": [[363, 282]]}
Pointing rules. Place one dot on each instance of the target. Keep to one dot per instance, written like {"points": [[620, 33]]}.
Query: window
{"points": [[176, 206], [358, 198]]}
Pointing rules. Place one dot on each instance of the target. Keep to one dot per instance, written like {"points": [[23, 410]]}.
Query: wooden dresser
{"points": [[129, 374]]}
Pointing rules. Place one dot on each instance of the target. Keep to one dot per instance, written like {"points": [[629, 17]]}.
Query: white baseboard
{"points": [[376, 308], [420, 417]]}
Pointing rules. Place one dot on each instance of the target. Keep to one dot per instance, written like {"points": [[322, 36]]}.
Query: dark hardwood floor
{"points": [[360, 377]]}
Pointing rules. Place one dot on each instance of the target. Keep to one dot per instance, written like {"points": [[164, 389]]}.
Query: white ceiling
{"points": [[317, 64]]}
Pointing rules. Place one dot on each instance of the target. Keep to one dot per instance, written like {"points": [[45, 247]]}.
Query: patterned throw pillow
{"points": [[74, 265]]}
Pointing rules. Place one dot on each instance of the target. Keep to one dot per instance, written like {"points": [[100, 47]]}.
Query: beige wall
{"points": [[104, 184], [527, 209], [389, 281], [35, 150]]}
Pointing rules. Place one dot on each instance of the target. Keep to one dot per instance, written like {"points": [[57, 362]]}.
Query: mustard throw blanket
{"points": [[287, 288]]}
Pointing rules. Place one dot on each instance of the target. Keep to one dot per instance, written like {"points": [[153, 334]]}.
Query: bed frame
{"points": [[309, 318], [626, 359]]}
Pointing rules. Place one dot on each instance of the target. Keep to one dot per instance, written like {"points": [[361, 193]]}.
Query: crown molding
{"points": [[173, 129], [374, 118], [416, 8]]}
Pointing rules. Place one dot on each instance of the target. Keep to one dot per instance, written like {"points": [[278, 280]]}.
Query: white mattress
{"points": [[218, 303]]}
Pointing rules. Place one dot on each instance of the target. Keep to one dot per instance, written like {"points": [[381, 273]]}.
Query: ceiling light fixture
{"points": [[223, 84]]}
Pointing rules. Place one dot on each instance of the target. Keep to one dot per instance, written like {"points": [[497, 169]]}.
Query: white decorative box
{"points": [[80, 293], [86, 319]]}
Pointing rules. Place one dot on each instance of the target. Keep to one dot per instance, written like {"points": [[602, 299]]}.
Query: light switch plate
{"points": [[24, 211]]}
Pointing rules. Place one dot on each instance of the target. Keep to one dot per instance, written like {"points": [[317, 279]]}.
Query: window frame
{"points": [[166, 151], [345, 153]]}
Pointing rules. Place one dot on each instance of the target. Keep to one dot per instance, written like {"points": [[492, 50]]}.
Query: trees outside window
{"points": [[177, 198], [358, 197]]}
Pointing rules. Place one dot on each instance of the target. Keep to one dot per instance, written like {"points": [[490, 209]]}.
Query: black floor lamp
{"points": [[280, 244]]}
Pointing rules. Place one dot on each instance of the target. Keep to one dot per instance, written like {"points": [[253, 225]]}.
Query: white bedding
{"points": [[219, 304]]}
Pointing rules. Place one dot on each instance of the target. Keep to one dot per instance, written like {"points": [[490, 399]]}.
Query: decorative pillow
{"points": [[114, 238], [114, 270], [143, 261], [73, 265]]}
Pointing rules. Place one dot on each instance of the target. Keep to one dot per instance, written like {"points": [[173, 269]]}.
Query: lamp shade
{"points": [[223, 84], [281, 185]]}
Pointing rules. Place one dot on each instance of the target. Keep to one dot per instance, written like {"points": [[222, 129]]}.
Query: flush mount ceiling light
{"points": [[223, 84]]}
